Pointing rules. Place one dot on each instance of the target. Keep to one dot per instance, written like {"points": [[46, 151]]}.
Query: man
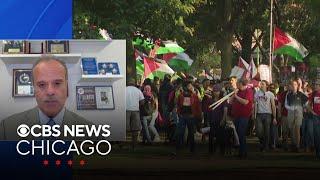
{"points": [[233, 83], [294, 103], [314, 108], [189, 111], [50, 79], [274, 129], [241, 109], [134, 99], [206, 101], [265, 110], [283, 91], [164, 91]]}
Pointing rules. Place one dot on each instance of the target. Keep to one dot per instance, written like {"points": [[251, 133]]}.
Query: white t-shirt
{"points": [[133, 96], [263, 101]]}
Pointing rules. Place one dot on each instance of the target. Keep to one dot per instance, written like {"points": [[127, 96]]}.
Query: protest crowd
{"points": [[224, 113]]}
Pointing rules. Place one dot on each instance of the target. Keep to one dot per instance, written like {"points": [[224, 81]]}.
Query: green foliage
{"points": [[202, 27]]}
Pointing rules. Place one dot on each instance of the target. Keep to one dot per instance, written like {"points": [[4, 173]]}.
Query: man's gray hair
{"points": [[47, 58]]}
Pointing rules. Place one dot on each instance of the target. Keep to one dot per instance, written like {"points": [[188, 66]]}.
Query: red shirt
{"points": [[315, 100], [240, 110]]}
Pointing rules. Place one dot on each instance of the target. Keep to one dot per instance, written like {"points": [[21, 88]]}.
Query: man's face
{"points": [[50, 87], [272, 88], [206, 84], [190, 87], [233, 82], [263, 85], [240, 86], [294, 86]]}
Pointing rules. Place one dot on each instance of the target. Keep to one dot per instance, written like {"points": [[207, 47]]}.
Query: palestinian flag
{"points": [[180, 62], [139, 62], [153, 68], [169, 47], [283, 43]]}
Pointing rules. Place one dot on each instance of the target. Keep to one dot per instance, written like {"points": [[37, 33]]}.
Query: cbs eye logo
{"points": [[23, 130]]}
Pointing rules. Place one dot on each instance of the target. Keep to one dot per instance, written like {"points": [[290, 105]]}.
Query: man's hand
{"points": [[274, 121], [236, 91], [314, 113]]}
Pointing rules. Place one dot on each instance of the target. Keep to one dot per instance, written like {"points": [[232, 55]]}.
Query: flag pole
{"points": [[271, 30]]}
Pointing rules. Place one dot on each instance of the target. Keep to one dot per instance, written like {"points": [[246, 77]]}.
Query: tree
{"points": [[154, 18], [202, 27]]}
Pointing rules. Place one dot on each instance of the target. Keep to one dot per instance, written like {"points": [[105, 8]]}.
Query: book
{"points": [[89, 66]]}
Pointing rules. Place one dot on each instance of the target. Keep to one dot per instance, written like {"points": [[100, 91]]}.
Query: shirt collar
{"points": [[44, 119]]}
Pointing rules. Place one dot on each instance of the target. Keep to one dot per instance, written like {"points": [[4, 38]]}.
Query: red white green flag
{"points": [[153, 68], [283, 43]]}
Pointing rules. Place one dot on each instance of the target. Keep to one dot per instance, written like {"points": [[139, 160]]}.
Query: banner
{"points": [[264, 72]]}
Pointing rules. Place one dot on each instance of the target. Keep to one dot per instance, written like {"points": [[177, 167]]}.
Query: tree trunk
{"points": [[225, 9], [131, 62], [226, 55], [246, 45]]}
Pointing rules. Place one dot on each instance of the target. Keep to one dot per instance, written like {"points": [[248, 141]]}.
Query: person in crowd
{"points": [[295, 100], [307, 123], [300, 84], [149, 82], [188, 109], [232, 84], [149, 113], [265, 110], [165, 88], [274, 129], [314, 108], [215, 117], [172, 108], [242, 102], [134, 99], [206, 102], [156, 84], [283, 91]]}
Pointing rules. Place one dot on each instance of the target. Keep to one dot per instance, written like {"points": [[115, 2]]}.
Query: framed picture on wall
{"points": [[22, 83], [34, 47], [86, 99], [13, 47], [57, 47], [104, 97]]}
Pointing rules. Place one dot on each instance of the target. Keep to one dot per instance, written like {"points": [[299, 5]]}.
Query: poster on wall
{"points": [[86, 98], [104, 97], [108, 68], [22, 83]]}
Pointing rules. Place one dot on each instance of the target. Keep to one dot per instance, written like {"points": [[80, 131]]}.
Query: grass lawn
{"points": [[157, 160]]}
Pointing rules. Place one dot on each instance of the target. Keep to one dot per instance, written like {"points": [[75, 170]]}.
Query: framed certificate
{"points": [[34, 47], [57, 47], [104, 97], [86, 99], [13, 47], [22, 83]]}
